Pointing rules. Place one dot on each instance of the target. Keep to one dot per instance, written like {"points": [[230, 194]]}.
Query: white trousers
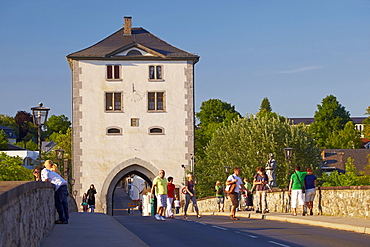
{"points": [[297, 195], [169, 207]]}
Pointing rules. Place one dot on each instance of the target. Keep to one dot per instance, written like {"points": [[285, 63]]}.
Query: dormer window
{"points": [[134, 53], [155, 73], [113, 72]]}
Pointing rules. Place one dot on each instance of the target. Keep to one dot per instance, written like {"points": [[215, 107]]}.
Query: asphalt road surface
{"points": [[221, 231]]}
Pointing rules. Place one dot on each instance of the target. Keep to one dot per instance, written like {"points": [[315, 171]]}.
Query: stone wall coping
{"points": [[10, 190], [364, 187]]}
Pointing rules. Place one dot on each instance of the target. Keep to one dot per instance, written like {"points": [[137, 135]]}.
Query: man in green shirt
{"points": [[160, 188], [220, 197], [295, 189]]}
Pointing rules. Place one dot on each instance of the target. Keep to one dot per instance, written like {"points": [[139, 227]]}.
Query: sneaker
{"points": [[157, 217], [162, 218]]}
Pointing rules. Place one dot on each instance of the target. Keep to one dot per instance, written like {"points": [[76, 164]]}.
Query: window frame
{"points": [[132, 121], [156, 127], [113, 72], [113, 98], [156, 101], [113, 134], [155, 71]]}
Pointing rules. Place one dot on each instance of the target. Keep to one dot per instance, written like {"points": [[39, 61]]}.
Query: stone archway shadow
{"points": [[131, 166]]}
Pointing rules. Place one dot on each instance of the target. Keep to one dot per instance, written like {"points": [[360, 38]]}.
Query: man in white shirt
{"points": [[234, 179], [61, 191]]}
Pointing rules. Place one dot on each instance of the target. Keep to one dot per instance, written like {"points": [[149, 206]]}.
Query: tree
{"points": [[8, 121], [330, 117], [3, 140], [57, 124], [11, 169], [348, 138], [350, 178], [213, 114], [247, 142], [366, 123], [63, 141], [30, 145], [25, 124]]}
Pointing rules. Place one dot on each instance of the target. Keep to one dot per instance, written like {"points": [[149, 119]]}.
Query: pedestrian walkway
{"points": [[91, 229], [97, 229], [353, 224]]}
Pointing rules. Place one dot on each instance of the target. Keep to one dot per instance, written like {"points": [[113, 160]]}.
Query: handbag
{"points": [[303, 187], [231, 188]]}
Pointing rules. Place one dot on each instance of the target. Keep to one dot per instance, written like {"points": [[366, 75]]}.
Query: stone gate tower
{"points": [[133, 111]]}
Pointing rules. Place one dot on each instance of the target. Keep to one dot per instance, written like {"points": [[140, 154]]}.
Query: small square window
{"points": [[134, 122]]}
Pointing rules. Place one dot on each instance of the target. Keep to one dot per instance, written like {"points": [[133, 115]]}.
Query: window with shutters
{"points": [[113, 72]]}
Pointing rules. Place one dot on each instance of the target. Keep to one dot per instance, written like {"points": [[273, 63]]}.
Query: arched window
{"points": [[134, 53], [156, 131], [114, 131]]}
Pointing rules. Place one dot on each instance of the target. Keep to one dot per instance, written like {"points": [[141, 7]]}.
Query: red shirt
{"points": [[170, 190]]}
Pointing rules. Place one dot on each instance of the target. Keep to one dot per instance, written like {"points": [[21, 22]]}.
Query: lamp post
{"points": [[227, 170], [288, 152], [59, 153], [39, 115]]}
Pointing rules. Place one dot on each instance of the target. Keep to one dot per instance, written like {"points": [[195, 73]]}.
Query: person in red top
{"points": [[170, 196]]}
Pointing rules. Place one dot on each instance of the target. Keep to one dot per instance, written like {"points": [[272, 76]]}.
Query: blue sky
{"points": [[293, 52]]}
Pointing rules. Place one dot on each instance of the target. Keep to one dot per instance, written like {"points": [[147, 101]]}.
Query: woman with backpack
{"points": [[220, 196]]}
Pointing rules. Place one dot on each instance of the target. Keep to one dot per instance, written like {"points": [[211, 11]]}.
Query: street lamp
{"points": [[59, 153], [227, 170], [288, 152], [39, 115]]}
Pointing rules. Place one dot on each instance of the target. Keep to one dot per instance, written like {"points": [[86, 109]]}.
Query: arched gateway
{"points": [[133, 111], [132, 166]]}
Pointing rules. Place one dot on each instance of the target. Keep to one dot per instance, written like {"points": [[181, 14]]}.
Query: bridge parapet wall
{"points": [[27, 212], [351, 201]]}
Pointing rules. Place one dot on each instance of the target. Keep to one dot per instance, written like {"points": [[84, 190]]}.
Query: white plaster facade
{"points": [[101, 158]]}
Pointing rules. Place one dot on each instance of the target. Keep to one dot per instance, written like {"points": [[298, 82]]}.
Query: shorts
{"points": [[220, 200], [297, 195], [310, 195], [162, 201], [234, 199]]}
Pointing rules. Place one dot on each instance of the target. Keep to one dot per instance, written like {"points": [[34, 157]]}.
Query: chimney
{"points": [[127, 25]]}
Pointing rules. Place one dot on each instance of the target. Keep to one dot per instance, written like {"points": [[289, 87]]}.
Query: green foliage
{"points": [[329, 118], [57, 124], [348, 138], [350, 178], [63, 141], [247, 142], [213, 114], [11, 169], [30, 145], [8, 121], [3, 140]]}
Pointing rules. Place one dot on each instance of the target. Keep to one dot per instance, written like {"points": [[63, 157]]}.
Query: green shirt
{"points": [[248, 186], [298, 183], [217, 187], [161, 186]]}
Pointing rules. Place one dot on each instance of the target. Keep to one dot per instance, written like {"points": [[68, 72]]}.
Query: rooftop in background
{"points": [[308, 120]]}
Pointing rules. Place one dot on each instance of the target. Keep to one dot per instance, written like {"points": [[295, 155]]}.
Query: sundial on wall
{"points": [[136, 95]]}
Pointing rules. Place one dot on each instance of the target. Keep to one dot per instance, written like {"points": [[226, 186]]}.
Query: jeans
{"points": [[187, 201], [61, 203], [261, 200]]}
